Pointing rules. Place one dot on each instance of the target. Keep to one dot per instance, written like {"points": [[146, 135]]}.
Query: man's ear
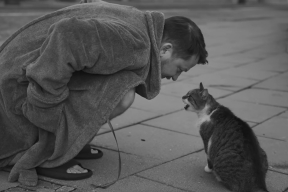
{"points": [[166, 50]]}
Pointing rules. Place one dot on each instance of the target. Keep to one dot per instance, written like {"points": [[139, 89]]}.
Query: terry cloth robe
{"points": [[62, 75]]}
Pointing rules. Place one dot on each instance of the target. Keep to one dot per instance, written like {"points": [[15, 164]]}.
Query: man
{"points": [[63, 75]]}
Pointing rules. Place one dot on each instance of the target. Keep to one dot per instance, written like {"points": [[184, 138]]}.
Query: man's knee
{"points": [[124, 104], [128, 99]]}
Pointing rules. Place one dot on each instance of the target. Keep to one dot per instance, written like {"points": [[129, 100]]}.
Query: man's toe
{"points": [[77, 169], [94, 151]]}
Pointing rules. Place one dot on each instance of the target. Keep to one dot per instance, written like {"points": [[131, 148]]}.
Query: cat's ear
{"points": [[204, 93], [201, 87]]}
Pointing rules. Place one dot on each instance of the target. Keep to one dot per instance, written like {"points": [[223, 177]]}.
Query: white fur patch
{"points": [[191, 108], [207, 169], [208, 147], [203, 116]]}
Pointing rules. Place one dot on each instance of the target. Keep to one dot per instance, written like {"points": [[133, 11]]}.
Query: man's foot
{"points": [[89, 152], [72, 170]]}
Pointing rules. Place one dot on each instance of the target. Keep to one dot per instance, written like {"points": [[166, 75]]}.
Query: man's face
{"points": [[172, 66]]}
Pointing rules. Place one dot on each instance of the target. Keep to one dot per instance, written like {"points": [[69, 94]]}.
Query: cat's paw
{"points": [[207, 169]]}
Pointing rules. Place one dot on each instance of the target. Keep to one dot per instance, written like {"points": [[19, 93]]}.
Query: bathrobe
{"points": [[62, 75]]}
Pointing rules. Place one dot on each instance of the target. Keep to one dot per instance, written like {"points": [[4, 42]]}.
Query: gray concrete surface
{"points": [[160, 145]]}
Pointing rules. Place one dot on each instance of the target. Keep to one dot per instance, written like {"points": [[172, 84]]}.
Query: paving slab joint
{"points": [[197, 151], [163, 183]]}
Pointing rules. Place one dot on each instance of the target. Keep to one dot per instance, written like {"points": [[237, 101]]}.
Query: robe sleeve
{"points": [[93, 45]]}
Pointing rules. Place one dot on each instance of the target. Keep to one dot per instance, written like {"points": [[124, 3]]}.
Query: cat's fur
{"points": [[233, 151]]}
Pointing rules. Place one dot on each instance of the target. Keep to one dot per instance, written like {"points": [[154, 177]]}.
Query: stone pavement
{"points": [[160, 145]]}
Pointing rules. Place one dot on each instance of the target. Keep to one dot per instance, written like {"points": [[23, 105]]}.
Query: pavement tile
{"points": [[275, 128], [269, 46], [277, 154], [180, 89], [217, 80], [276, 63], [42, 185], [242, 46], [130, 117], [4, 181], [150, 142], [222, 63], [279, 83], [181, 121], [252, 112], [105, 169], [45, 190], [268, 97], [188, 173], [239, 57], [210, 41], [16, 189], [158, 105], [253, 74], [65, 189], [219, 51], [198, 70], [284, 114], [137, 184]]}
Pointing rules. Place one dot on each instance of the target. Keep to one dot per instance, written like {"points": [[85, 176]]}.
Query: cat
{"points": [[233, 152]]}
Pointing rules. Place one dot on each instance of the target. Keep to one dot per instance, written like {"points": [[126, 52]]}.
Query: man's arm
{"points": [[94, 46], [73, 45]]}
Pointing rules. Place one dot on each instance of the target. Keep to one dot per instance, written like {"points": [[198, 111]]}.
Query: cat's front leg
{"points": [[208, 168]]}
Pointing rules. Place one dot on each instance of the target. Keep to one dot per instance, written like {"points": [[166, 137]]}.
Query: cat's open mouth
{"points": [[187, 104]]}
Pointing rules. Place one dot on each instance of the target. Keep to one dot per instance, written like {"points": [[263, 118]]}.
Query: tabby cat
{"points": [[233, 151]]}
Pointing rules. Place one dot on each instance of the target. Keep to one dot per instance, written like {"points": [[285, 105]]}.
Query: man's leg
{"points": [[122, 106]]}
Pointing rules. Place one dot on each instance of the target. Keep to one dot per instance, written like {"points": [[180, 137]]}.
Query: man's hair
{"points": [[186, 38]]}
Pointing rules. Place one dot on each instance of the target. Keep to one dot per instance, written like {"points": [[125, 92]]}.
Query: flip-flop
{"points": [[86, 153], [61, 172]]}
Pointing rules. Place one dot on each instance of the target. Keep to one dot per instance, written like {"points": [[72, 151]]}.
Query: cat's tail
{"points": [[259, 169], [257, 158], [260, 172]]}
